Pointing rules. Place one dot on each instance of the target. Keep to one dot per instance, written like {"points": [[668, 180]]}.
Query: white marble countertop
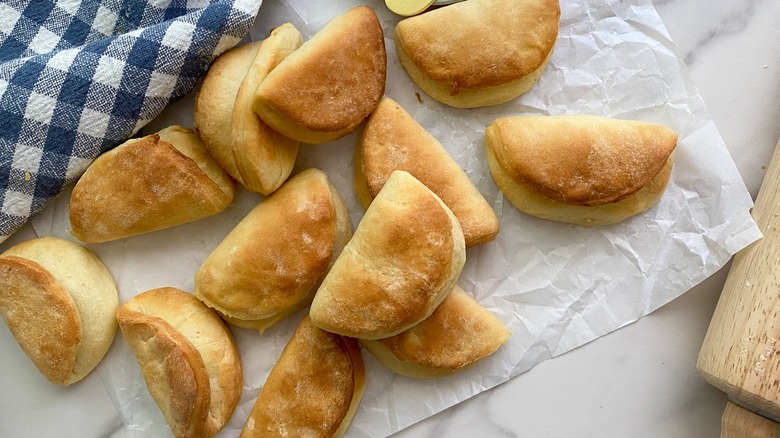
{"points": [[639, 381]]}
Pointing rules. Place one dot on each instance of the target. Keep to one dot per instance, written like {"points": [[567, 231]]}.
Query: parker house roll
{"points": [[188, 359], [58, 300], [327, 88], [255, 155], [585, 170], [458, 334], [148, 184], [405, 256], [271, 263], [393, 140], [478, 52], [313, 390]]}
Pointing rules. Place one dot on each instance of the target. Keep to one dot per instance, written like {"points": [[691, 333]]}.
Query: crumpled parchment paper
{"points": [[556, 286]]}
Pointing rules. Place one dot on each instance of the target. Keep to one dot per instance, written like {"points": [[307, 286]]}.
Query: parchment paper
{"points": [[556, 286]]}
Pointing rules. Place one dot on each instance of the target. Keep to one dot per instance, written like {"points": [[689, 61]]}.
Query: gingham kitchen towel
{"points": [[79, 77]]}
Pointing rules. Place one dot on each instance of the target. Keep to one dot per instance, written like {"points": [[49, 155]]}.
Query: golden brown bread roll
{"points": [[148, 184], [313, 390], [586, 170], [256, 156], [213, 112], [458, 334], [479, 52], [271, 263], [188, 358], [393, 140], [324, 90], [59, 300], [405, 256]]}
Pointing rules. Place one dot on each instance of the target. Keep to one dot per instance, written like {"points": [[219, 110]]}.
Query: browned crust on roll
{"points": [[214, 103], [459, 333], [41, 315], [495, 42], [327, 87], [592, 171], [185, 141], [188, 358], [403, 259], [271, 262], [252, 153], [142, 185], [172, 369], [581, 160], [264, 157], [392, 140], [59, 300], [313, 390]]}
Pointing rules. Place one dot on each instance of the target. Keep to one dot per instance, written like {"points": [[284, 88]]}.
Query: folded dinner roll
{"points": [[271, 263], [393, 140], [188, 359], [59, 301], [479, 52], [313, 390], [458, 334], [325, 89], [586, 170], [405, 256], [256, 156], [148, 184]]}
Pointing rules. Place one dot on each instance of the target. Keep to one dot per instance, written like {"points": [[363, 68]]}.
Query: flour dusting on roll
{"points": [[148, 184], [478, 52], [271, 263], [403, 260], [585, 170], [458, 334], [327, 88], [313, 389], [393, 140]]}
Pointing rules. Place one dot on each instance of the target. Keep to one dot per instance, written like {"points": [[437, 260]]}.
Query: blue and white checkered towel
{"points": [[79, 77]]}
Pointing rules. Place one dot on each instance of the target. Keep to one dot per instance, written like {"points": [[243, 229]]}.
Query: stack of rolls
{"points": [[392, 286], [259, 101], [255, 155]]}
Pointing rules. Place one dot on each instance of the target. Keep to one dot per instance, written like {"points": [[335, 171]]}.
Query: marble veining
{"points": [[641, 380], [733, 22], [730, 48]]}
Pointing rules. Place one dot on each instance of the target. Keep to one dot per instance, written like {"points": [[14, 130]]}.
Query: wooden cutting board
{"points": [[738, 422], [741, 350]]}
